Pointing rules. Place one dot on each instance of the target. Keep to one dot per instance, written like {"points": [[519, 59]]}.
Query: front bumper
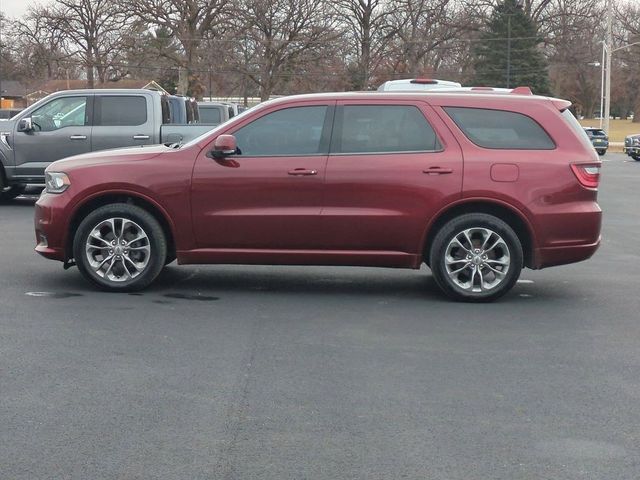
{"points": [[49, 221], [633, 150]]}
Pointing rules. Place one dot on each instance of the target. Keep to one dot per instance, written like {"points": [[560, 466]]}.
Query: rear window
{"points": [[576, 127], [115, 111], [499, 129], [210, 115], [596, 133]]}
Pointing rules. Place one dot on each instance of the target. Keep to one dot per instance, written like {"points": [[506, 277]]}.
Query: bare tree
{"points": [[40, 39], [421, 27], [278, 34], [192, 23], [93, 30], [369, 30]]}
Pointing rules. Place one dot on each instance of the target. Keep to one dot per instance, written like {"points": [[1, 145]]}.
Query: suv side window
{"points": [[499, 129], [61, 112], [120, 111], [290, 131], [383, 129]]}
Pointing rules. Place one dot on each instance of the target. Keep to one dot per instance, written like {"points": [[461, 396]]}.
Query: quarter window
{"points": [[383, 128], [291, 131], [61, 112], [120, 111], [499, 129]]}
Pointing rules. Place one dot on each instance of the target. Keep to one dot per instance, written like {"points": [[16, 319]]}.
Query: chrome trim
{"points": [[4, 138]]}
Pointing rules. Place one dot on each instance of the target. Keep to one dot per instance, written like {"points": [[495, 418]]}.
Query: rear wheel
{"points": [[476, 258], [120, 247]]}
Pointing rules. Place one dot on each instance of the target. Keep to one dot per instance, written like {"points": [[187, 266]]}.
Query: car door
{"points": [[268, 195], [392, 166], [62, 128], [123, 121]]}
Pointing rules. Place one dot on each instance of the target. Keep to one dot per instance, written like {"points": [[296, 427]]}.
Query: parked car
{"points": [[599, 139], [416, 84], [7, 113], [74, 122], [632, 146], [181, 110], [215, 113], [477, 185]]}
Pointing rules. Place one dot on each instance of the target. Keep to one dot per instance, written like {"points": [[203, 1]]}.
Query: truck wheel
{"points": [[9, 193], [120, 247], [476, 258]]}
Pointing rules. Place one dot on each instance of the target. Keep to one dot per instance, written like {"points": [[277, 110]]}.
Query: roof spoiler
{"points": [[560, 104]]}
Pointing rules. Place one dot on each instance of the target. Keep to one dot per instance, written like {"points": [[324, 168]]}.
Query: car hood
{"points": [[117, 155]]}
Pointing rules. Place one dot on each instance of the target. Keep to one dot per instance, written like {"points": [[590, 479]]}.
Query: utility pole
{"points": [[509, 50], [609, 48]]}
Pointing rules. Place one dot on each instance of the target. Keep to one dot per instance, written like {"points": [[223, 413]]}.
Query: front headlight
{"points": [[56, 182]]}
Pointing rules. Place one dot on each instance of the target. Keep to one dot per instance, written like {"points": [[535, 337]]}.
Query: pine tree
{"points": [[508, 54]]}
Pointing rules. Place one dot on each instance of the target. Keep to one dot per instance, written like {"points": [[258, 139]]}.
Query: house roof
{"points": [[12, 88], [57, 85]]}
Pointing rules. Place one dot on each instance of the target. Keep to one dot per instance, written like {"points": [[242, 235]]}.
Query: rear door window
{"points": [[382, 129], [115, 110], [499, 129]]}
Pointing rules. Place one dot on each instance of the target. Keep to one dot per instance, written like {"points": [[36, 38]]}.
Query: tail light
{"points": [[588, 174]]}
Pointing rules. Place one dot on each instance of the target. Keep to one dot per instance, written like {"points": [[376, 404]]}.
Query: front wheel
{"points": [[636, 157], [120, 247], [601, 152], [9, 193], [476, 258]]}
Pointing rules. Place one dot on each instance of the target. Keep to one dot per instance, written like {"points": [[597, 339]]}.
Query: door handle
{"points": [[437, 170], [141, 137], [78, 137], [298, 172]]}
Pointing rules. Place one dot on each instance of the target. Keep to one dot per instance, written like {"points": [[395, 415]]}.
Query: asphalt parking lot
{"points": [[239, 372]]}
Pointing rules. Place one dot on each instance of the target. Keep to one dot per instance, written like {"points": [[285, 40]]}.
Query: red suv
{"points": [[475, 184]]}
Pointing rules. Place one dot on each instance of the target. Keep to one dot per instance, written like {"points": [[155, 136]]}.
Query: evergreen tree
{"points": [[507, 54]]}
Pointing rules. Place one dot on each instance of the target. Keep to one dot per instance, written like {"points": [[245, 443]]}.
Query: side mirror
{"points": [[224, 146], [25, 125]]}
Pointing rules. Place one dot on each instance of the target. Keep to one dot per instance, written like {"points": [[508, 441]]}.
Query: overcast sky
{"points": [[17, 8]]}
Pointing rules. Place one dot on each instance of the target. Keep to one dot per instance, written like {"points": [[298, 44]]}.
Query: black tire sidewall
{"points": [[455, 226], [149, 224]]}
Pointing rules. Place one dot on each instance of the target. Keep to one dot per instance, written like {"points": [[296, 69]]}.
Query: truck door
{"points": [[61, 129], [123, 121]]}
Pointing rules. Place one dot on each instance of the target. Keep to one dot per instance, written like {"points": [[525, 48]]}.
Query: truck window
{"points": [[116, 110], [210, 115], [60, 113]]}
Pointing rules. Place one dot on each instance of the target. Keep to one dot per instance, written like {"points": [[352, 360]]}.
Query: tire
{"points": [[475, 274], [601, 152], [11, 192], [133, 261], [636, 157]]}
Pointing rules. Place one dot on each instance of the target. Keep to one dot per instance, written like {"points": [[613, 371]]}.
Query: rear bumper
{"points": [[552, 256]]}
